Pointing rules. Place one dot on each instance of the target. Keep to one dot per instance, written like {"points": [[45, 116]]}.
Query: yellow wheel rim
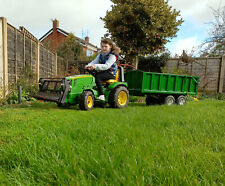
{"points": [[122, 98], [89, 101]]}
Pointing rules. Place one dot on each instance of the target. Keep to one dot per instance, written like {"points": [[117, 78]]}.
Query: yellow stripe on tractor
{"points": [[81, 77]]}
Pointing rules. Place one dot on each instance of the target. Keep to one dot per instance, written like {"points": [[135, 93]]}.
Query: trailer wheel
{"points": [[181, 100], [169, 100], [86, 100], [119, 97]]}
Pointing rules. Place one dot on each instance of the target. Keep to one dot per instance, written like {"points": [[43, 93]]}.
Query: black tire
{"points": [[115, 95], [169, 100], [86, 100], [181, 100]]}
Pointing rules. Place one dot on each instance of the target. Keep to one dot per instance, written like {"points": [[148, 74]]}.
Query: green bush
{"points": [[153, 63], [13, 98], [26, 80], [220, 96]]}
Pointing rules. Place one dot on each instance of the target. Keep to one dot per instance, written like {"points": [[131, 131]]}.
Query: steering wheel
{"points": [[92, 72]]}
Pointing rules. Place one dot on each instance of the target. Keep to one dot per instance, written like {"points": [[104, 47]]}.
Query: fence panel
{"points": [[11, 47], [207, 68], [60, 67], [23, 52]]}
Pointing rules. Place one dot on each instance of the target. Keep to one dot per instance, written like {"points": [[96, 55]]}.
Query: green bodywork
{"points": [[80, 83], [143, 83]]}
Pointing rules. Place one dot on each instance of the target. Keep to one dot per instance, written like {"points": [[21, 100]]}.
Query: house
{"points": [[55, 36]]}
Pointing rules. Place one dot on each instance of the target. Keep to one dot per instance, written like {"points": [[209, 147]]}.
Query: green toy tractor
{"points": [[82, 90]]}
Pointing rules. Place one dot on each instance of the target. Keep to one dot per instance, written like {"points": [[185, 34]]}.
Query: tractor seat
{"points": [[110, 81]]}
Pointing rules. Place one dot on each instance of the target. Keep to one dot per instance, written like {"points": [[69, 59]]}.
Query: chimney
{"points": [[87, 39], [55, 24]]}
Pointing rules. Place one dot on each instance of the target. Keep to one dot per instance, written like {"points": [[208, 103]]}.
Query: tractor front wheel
{"points": [[119, 97], [86, 100]]}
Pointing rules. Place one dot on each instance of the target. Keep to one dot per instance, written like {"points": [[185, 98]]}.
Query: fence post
{"points": [[19, 94], [3, 57], [38, 61], [222, 71]]}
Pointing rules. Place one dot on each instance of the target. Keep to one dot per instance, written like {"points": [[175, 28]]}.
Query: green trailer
{"points": [[160, 87]]}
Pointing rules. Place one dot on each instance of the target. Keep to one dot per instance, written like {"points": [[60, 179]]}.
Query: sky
{"points": [[82, 18]]}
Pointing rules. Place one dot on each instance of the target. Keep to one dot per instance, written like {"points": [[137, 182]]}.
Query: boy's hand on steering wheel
{"points": [[92, 67]]}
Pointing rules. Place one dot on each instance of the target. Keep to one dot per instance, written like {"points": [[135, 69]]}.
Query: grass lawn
{"points": [[41, 144]]}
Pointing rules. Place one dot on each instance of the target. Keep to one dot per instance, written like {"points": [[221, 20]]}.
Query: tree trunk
{"points": [[136, 62]]}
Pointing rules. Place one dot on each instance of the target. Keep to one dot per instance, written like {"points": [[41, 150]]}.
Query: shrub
{"points": [[153, 63], [26, 80]]}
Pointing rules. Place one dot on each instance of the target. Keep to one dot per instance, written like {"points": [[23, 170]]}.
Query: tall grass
{"points": [[179, 145]]}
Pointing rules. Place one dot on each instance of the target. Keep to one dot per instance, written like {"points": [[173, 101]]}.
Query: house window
{"points": [[89, 52]]}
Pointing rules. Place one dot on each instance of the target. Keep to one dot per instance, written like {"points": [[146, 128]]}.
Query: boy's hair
{"points": [[115, 50]]}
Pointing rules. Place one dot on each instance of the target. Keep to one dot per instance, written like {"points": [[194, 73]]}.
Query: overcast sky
{"points": [[77, 15]]}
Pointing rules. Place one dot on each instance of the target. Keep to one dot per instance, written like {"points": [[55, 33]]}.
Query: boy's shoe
{"points": [[101, 97]]}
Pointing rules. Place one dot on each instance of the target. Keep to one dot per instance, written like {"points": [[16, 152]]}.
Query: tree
{"points": [[70, 50], [153, 63], [215, 44], [141, 27]]}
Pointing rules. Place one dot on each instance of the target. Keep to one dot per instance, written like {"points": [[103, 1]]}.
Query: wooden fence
{"points": [[20, 49], [26, 51], [211, 72]]}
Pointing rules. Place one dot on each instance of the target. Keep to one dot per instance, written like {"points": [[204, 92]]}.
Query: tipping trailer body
{"points": [[143, 83]]}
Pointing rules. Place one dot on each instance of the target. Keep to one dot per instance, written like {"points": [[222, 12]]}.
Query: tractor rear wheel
{"points": [[181, 100], [119, 97], [86, 100], [169, 100]]}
